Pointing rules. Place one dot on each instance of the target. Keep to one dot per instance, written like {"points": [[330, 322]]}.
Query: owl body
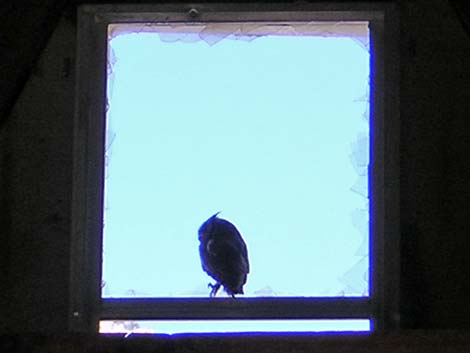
{"points": [[224, 255]]}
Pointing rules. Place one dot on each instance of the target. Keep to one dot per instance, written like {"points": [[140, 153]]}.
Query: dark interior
{"points": [[37, 56]]}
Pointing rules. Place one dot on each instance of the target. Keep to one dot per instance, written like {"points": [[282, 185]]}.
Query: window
{"points": [[279, 118]]}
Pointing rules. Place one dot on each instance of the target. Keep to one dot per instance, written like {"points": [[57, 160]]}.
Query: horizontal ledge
{"points": [[206, 12], [238, 308]]}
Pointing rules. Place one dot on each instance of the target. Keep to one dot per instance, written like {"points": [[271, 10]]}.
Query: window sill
{"points": [[396, 342]]}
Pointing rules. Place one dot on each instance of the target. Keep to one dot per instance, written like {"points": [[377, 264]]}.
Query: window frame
{"points": [[87, 307]]}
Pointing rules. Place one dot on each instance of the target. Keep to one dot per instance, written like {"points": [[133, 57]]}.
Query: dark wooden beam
{"points": [[25, 29], [462, 9]]}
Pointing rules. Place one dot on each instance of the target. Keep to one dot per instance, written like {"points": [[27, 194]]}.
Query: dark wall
{"points": [[36, 171], [435, 93]]}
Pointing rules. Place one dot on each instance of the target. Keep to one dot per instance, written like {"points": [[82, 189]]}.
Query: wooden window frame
{"points": [[86, 305]]}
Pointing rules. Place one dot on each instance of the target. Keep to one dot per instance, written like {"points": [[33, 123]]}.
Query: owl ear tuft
{"points": [[214, 216]]}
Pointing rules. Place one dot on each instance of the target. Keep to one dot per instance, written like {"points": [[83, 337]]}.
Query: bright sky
{"points": [[184, 326], [272, 132]]}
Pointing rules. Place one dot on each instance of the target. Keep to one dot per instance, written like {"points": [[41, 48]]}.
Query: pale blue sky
{"points": [[264, 131], [187, 326]]}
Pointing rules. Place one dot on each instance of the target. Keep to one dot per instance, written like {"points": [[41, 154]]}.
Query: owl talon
{"points": [[215, 288]]}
